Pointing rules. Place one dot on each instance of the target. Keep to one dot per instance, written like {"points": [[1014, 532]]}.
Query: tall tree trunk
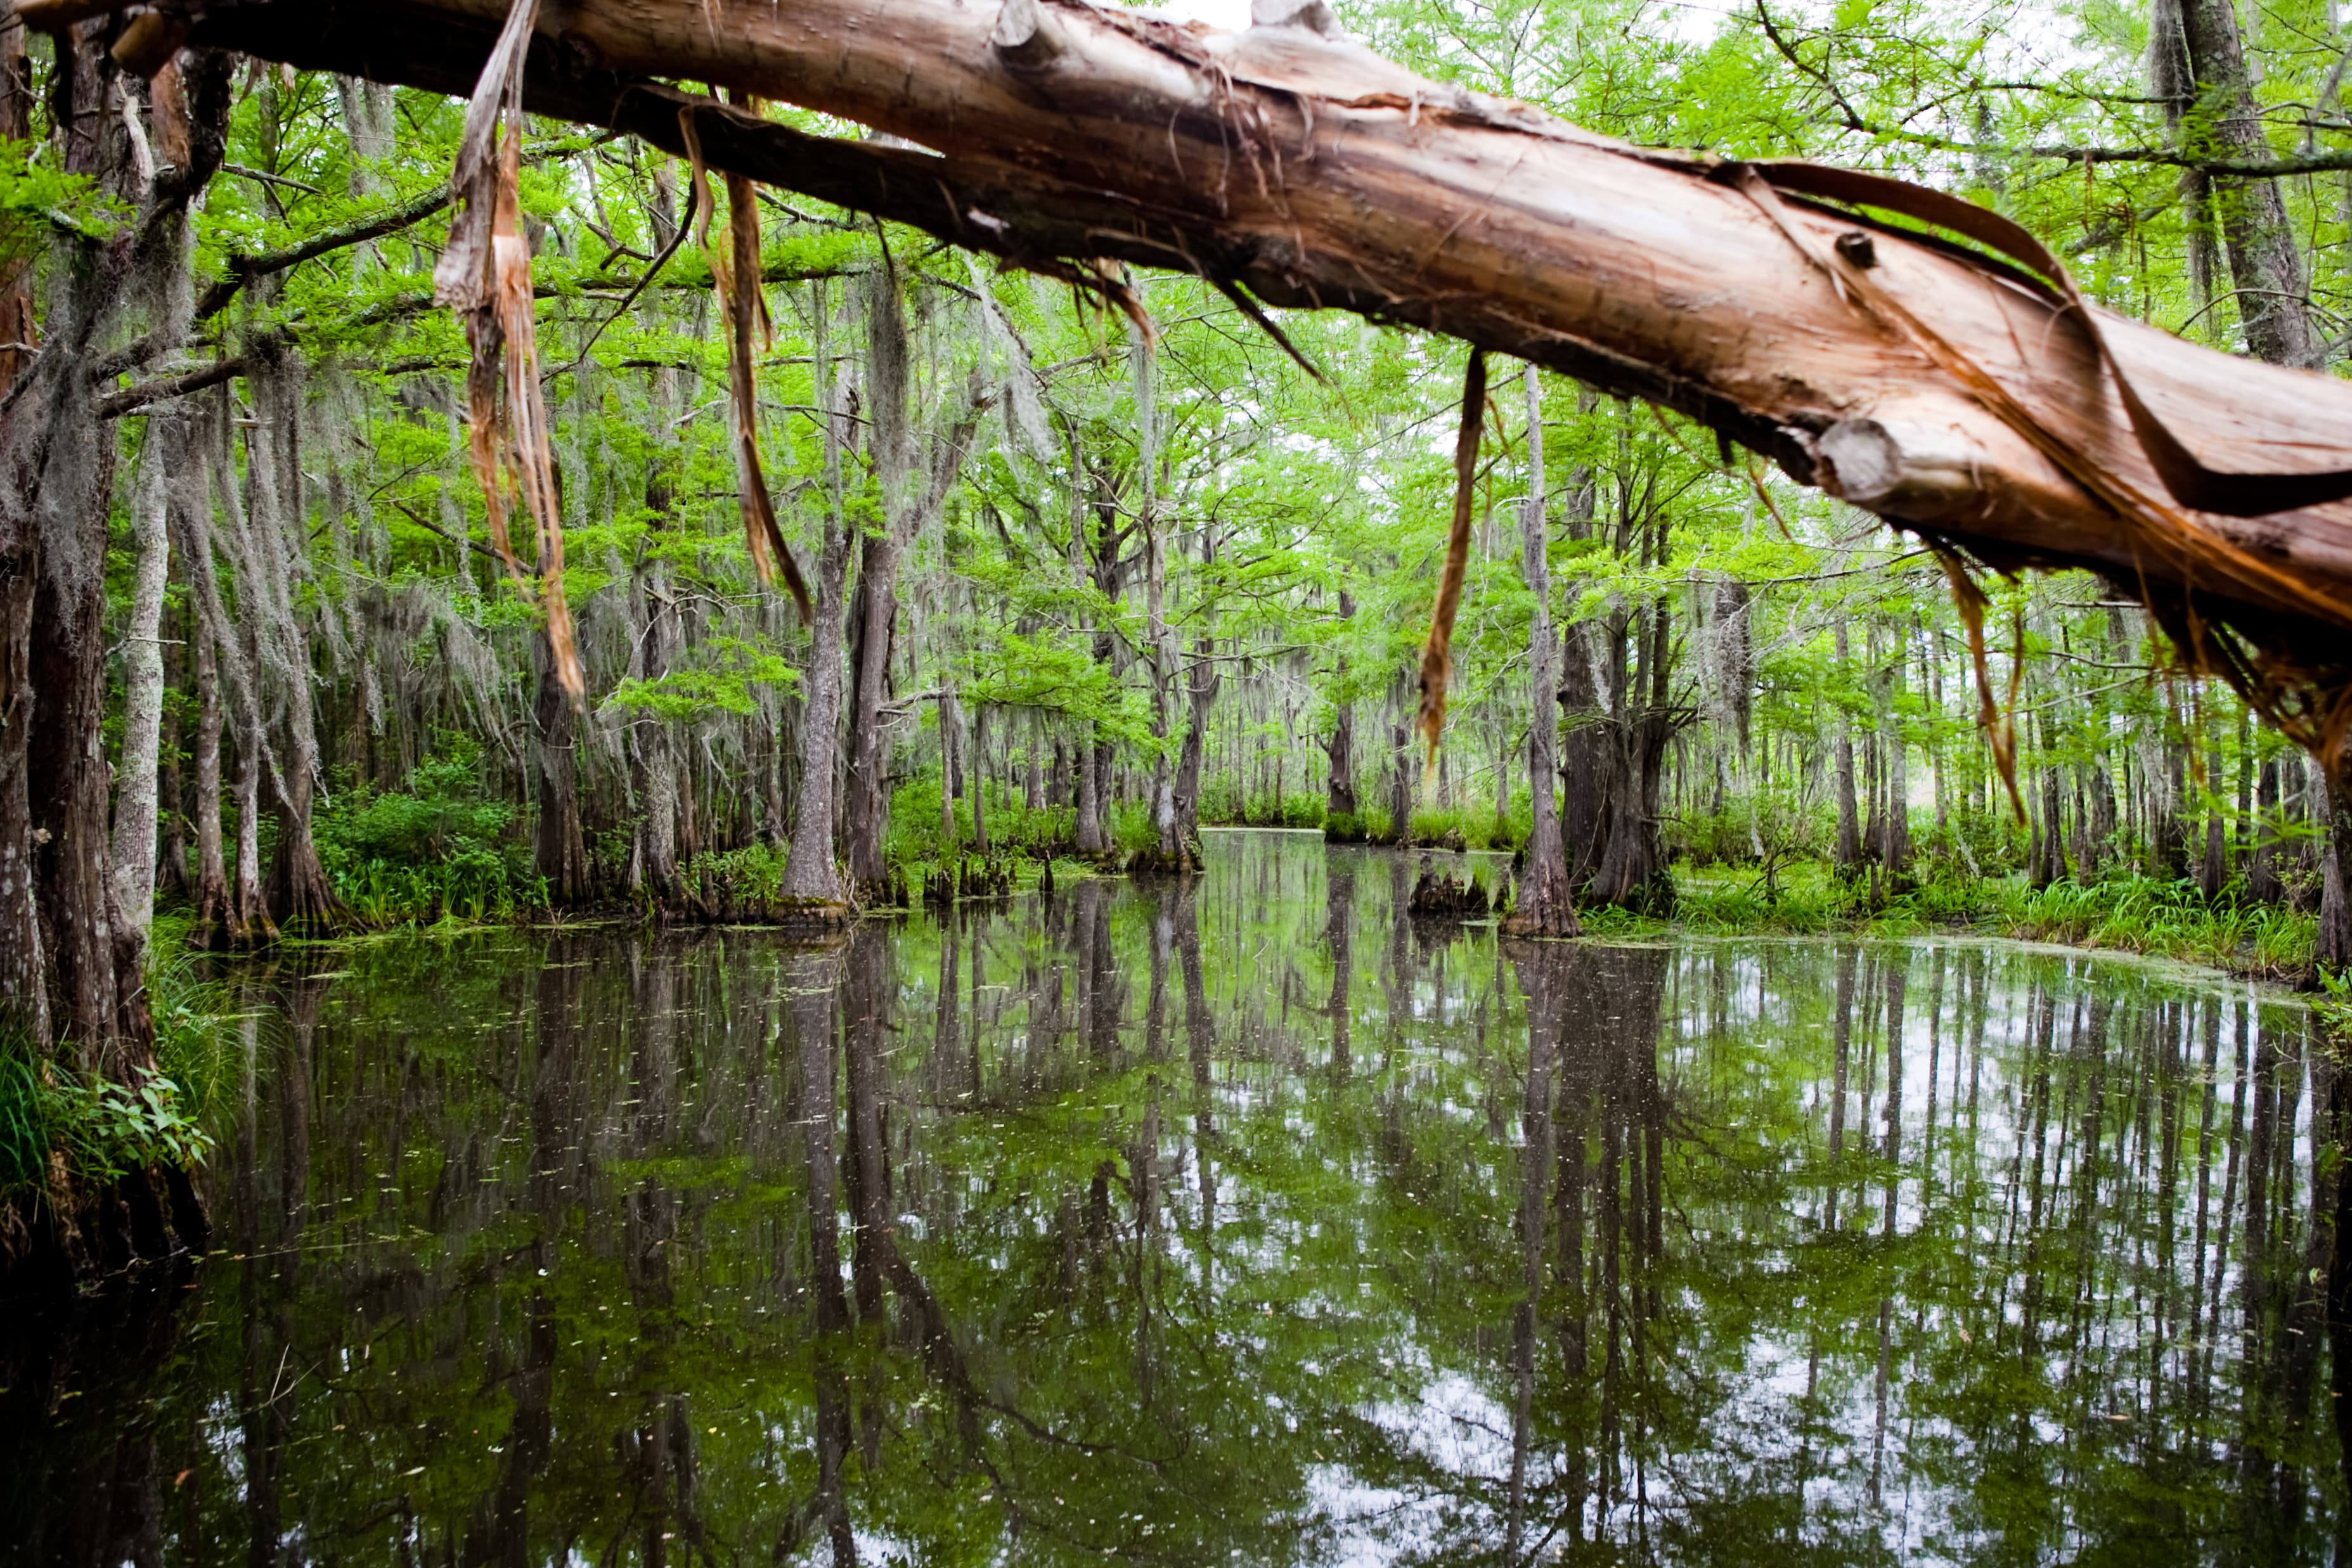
{"points": [[913, 493], [874, 616], [1175, 853], [811, 876], [652, 749], [1897, 847], [1400, 761], [134, 846], [2335, 945], [1201, 683], [978, 775], [2265, 267], [1584, 759], [1105, 759], [251, 924], [216, 904], [1089, 805], [2213, 866], [1544, 906], [170, 773], [24, 993], [1632, 868], [950, 774], [558, 844], [1848, 860], [1339, 762], [2171, 836], [2262, 882], [276, 543], [60, 457], [1339, 750]]}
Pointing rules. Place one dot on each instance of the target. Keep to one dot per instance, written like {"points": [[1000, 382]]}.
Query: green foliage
{"points": [[722, 681], [196, 1044], [1131, 831], [1473, 827], [752, 876], [100, 1129], [103, 1129], [916, 842], [2124, 912], [1225, 804], [36, 198], [440, 849]]}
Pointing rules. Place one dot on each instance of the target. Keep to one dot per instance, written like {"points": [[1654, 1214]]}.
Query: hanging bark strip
{"points": [[736, 273], [484, 275], [1437, 653], [2000, 729]]}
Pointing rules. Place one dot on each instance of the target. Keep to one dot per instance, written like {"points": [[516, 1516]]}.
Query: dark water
{"points": [[1242, 1223]]}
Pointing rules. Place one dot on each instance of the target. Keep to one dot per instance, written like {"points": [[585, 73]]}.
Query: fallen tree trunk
{"points": [[1948, 391]]}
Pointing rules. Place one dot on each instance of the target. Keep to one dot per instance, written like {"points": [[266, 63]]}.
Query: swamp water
{"points": [[1240, 1223]]}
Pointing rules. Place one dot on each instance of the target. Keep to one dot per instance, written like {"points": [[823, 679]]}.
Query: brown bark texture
{"points": [[1960, 396]]}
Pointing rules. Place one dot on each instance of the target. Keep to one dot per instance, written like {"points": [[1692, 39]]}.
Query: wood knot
{"points": [[1856, 247]]}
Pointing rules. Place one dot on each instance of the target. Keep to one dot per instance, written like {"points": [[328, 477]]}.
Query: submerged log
{"points": [[1952, 392]]}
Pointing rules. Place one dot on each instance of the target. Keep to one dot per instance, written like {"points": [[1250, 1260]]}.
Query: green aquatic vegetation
{"points": [[2126, 913], [195, 1014], [752, 874], [1473, 827], [2171, 919], [99, 1129]]}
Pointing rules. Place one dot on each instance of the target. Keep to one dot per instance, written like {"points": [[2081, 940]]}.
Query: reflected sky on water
{"points": [[1237, 1221]]}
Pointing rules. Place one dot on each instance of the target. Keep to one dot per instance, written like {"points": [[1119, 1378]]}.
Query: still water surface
{"points": [[1236, 1223]]}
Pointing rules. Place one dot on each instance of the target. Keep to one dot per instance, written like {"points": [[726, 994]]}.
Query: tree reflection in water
{"points": [[1237, 1221]]}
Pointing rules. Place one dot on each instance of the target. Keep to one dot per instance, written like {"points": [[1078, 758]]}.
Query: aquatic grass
{"points": [[1472, 827], [2128, 914], [196, 1040], [1225, 804], [752, 874], [2170, 919]]}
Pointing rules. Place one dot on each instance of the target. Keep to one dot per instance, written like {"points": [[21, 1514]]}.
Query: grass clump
{"points": [[1472, 827], [93, 1130], [2170, 919]]}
